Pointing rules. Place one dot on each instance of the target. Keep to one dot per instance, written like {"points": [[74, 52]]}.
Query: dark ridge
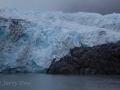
{"points": [[102, 60]]}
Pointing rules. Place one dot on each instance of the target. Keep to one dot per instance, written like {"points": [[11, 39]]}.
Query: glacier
{"points": [[29, 40]]}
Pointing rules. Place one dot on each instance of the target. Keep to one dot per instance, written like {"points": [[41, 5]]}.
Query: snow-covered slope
{"points": [[30, 40]]}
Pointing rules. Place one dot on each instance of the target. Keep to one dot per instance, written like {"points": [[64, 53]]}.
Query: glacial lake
{"points": [[36, 81]]}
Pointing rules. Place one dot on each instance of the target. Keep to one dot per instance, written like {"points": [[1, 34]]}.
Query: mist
{"points": [[66, 6]]}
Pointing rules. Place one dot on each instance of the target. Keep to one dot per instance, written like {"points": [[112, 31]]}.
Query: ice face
{"points": [[30, 40]]}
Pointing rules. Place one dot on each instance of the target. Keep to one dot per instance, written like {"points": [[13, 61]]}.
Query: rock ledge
{"points": [[102, 60]]}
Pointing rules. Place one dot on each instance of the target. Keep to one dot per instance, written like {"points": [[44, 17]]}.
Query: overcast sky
{"points": [[68, 6]]}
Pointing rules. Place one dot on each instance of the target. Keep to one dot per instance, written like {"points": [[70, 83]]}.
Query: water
{"points": [[58, 82]]}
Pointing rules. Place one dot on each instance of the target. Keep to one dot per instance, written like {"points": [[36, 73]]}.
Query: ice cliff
{"points": [[30, 40]]}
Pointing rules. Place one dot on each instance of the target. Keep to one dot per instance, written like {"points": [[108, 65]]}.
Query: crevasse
{"points": [[30, 40]]}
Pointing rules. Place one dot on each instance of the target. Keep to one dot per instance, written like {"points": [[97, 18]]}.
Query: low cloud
{"points": [[67, 6]]}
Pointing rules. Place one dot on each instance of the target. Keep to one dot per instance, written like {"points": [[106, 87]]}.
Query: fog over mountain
{"points": [[67, 6]]}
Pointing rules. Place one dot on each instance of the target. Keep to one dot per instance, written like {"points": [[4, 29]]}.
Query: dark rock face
{"points": [[102, 59]]}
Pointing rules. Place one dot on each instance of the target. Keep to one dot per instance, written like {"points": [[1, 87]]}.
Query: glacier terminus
{"points": [[29, 41]]}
